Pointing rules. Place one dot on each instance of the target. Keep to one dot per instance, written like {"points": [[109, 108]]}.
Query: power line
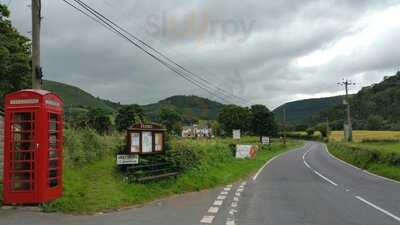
{"points": [[223, 92], [180, 71]]}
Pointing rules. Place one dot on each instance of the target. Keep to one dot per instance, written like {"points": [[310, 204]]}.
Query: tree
{"points": [[171, 119], [15, 61], [322, 128], [128, 115], [234, 117], [262, 121], [375, 122], [99, 119]]}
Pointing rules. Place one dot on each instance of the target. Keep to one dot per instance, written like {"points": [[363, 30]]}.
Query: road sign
{"points": [[236, 134], [265, 140], [245, 151], [127, 159]]}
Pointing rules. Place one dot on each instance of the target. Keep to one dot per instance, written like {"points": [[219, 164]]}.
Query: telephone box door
{"points": [[21, 177]]}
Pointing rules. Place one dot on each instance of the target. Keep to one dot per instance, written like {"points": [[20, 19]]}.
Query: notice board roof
{"points": [[146, 126]]}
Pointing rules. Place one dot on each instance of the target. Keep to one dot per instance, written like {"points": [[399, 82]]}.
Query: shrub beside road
{"points": [[92, 182], [379, 157]]}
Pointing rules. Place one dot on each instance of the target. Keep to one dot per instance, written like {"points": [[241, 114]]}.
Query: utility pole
{"points": [[36, 69], [284, 125], [348, 130]]}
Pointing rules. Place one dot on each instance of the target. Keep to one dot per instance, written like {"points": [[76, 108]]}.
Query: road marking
{"points": [[262, 168], [227, 189], [218, 202], [378, 208], [235, 199], [323, 177], [221, 197], [229, 186], [207, 219], [230, 222], [243, 183], [213, 209], [237, 194], [234, 204], [224, 193]]}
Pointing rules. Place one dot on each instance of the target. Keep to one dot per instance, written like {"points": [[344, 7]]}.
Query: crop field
{"points": [[360, 135]]}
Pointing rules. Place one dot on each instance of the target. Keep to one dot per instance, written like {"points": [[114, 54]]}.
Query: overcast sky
{"points": [[268, 52]]}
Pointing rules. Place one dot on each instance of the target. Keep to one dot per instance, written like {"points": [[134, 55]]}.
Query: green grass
{"points": [[379, 158], [99, 186]]}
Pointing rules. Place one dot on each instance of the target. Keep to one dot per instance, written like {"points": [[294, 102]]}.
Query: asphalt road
{"points": [[310, 187], [306, 186]]}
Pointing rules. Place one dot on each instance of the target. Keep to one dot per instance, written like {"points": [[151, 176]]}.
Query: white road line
{"points": [[235, 199], [213, 209], [223, 193], [234, 204], [218, 202], [323, 177], [221, 197], [367, 172], [227, 189], [207, 219], [378, 208], [230, 222], [229, 186], [237, 194]]}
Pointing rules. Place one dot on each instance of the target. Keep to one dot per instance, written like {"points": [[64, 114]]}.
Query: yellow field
{"points": [[359, 135]]}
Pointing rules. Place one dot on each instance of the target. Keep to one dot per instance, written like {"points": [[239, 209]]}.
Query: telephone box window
{"points": [[54, 139], [22, 151]]}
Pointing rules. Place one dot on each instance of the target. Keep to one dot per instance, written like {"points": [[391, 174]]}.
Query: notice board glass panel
{"points": [[135, 142], [147, 142], [158, 145]]}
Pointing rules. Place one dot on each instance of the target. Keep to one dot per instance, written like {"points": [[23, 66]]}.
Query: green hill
{"points": [[376, 107], [298, 111], [191, 107], [75, 97]]}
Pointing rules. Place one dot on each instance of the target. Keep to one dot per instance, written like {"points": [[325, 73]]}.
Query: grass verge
{"points": [[98, 186], [371, 157]]}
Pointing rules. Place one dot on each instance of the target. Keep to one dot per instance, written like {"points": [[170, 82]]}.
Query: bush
{"points": [[86, 145], [188, 154]]}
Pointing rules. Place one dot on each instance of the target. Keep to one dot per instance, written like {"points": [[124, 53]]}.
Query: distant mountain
{"points": [[298, 111], [191, 107]]}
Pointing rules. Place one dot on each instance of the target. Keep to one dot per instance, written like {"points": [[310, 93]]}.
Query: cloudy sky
{"points": [[268, 52]]}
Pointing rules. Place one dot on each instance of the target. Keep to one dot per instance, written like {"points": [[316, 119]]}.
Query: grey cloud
{"points": [[80, 52]]}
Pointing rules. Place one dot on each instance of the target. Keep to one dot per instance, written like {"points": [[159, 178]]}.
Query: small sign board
{"points": [[245, 151], [236, 134], [127, 159], [265, 140]]}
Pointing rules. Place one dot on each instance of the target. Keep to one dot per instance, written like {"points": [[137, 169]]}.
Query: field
{"points": [[359, 135], [96, 185]]}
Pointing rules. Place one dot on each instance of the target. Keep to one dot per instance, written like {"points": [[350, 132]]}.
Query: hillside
{"points": [[75, 97], [191, 107], [297, 111], [375, 107]]}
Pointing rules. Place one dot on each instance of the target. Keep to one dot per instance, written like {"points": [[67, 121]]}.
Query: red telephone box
{"points": [[33, 145]]}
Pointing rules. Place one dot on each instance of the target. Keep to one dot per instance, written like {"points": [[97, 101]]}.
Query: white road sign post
{"points": [[265, 140], [127, 159], [236, 134]]}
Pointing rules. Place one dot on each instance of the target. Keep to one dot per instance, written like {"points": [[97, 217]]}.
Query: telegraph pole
{"points": [[284, 125], [348, 130], [36, 69]]}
